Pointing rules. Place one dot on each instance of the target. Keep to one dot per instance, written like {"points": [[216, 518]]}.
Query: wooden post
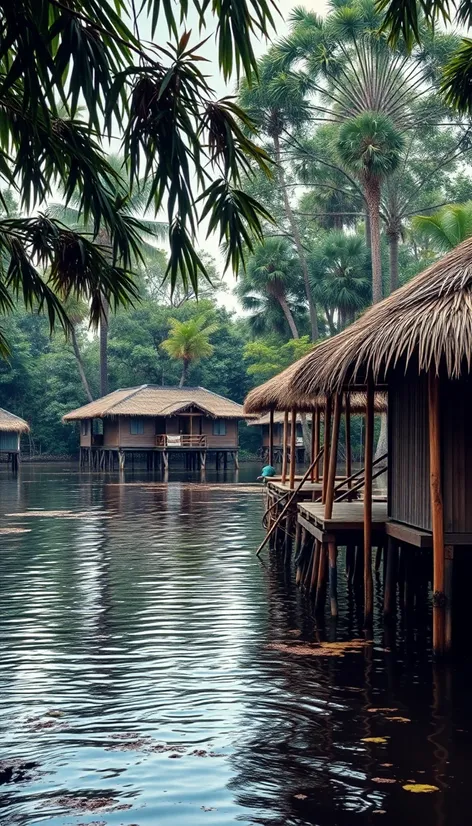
{"points": [[333, 456], [333, 578], [437, 517], [313, 443], [347, 421], [284, 448], [390, 586], [293, 448], [448, 587], [317, 442], [368, 457], [327, 437], [271, 437]]}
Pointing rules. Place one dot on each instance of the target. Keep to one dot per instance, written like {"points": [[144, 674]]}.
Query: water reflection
{"points": [[137, 669]]}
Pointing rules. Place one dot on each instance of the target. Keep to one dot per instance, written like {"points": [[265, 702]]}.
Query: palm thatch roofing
{"points": [[279, 416], [151, 400], [428, 322], [280, 394], [11, 423]]}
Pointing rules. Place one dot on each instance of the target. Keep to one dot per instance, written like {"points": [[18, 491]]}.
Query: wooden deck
{"points": [[347, 518]]}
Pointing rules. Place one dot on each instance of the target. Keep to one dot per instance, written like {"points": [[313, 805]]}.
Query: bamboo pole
{"points": [[289, 502], [327, 436], [333, 456], [271, 437], [284, 448], [293, 448], [317, 442], [313, 442], [437, 516], [347, 419], [368, 455]]}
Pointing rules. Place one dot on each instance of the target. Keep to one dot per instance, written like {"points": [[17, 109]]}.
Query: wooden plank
{"points": [[409, 534], [327, 436], [347, 431], [271, 437], [284, 448], [293, 448]]}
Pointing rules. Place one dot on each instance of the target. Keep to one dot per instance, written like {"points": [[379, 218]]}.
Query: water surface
{"points": [[139, 685]]}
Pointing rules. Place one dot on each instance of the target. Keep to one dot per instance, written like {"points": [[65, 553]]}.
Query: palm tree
{"points": [[340, 276], [447, 227], [352, 72], [370, 147], [276, 101], [133, 204], [189, 341], [271, 277]]}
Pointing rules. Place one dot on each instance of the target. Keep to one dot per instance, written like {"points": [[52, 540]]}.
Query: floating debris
{"points": [[319, 649], [383, 780], [382, 710], [398, 719], [420, 788], [300, 796], [374, 739], [90, 804]]}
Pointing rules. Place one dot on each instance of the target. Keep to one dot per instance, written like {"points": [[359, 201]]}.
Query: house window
{"points": [[136, 427], [84, 427], [219, 427]]}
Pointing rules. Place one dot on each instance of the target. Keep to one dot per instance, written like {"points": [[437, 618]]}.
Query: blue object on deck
{"points": [[268, 470]]}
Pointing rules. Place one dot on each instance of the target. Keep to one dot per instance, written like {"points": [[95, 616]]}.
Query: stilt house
{"points": [[157, 421], [11, 428], [417, 344]]}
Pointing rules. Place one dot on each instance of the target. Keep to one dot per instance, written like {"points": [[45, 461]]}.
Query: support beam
{"points": [[284, 448], [368, 457], [327, 437], [317, 442], [293, 448], [347, 431], [333, 457], [271, 438], [437, 516]]}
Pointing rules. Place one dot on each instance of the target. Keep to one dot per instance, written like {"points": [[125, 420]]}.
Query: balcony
{"points": [[184, 440]]}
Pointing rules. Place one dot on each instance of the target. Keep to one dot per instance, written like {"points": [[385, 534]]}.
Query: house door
{"points": [[184, 425]]}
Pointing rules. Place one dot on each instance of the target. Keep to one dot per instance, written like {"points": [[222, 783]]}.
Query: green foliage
{"points": [[447, 227], [339, 271], [370, 145], [267, 357], [74, 75]]}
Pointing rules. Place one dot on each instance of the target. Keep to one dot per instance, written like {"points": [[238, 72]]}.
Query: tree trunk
{"points": [[80, 364], [298, 242], [393, 256], [367, 229], [372, 196], [184, 376], [330, 320], [289, 316], [104, 347]]}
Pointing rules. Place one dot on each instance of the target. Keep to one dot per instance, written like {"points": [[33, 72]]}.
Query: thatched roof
{"points": [[11, 423], [429, 320], [151, 400], [280, 394]]}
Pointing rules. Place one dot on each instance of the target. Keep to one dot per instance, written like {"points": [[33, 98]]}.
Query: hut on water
{"points": [[265, 422], [417, 343], [158, 421], [11, 428]]}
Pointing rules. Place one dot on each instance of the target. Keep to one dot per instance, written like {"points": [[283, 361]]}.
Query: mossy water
{"points": [[154, 671]]}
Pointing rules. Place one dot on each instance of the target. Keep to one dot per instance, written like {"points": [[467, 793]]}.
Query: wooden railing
{"points": [[183, 440]]}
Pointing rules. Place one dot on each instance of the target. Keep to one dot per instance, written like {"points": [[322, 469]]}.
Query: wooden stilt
{"points": [[437, 518], [327, 443], [448, 591], [333, 578], [317, 443], [333, 456], [293, 443], [271, 437], [316, 562], [368, 457], [321, 589], [298, 533], [284, 447], [313, 443], [347, 431], [390, 585], [236, 460]]}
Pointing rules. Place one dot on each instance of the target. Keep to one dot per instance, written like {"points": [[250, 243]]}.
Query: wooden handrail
{"points": [[360, 484], [355, 475]]}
